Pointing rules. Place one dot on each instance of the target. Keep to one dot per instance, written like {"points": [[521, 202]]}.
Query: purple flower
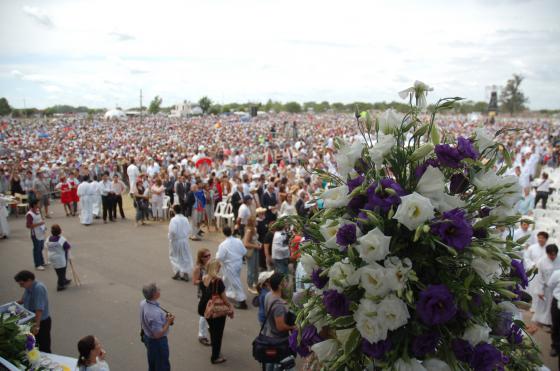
{"points": [[462, 350], [436, 305], [466, 148], [361, 166], [29, 342], [379, 199], [421, 169], [346, 234], [354, 183], [376, 350], [480, 232], [454, 229], [502, 326], [309, 337], [357, 202], [486, 358], [518, 270], [318, 280], [448, 156], [336, 304], [484, 212], [425, 344], [459, 183], [515, 335]]}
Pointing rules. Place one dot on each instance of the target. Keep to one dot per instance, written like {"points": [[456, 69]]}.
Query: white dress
{"points": [[531, 257], [231, 253], [86, 202], [96, 203], [179, 252], [4, 226], [542, 307]]}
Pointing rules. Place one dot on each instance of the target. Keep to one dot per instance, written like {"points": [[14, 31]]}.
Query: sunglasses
{"points": [[206, 256]]}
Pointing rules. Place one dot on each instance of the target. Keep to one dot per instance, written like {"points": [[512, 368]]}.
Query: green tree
{"points": [[292, 107], [155, 105], [512, 99], [205, 103]]}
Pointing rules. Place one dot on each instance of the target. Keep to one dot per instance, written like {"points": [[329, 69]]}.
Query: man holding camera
{"points": [[155, 322]]}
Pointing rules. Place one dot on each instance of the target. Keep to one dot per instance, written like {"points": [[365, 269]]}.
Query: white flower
{"points": [[317, 317], [373, 278], [342, 274], [488, 269], [397, 272], [308, 263], [347, 156], [328, 230], [343, 335], [12, 309], [373, 246], [509, 307], [414, 210], [325, 350], [434, 364], [390, 121], [411, 365], [393, 312], [368, 323], [336, 197], [418, 91], [382, 148], [503, 212], [475, 334], [432, 186], [508, 189], [483, 138]]}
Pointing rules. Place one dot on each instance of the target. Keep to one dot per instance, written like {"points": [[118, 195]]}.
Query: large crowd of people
{"points": [[262, 169]]}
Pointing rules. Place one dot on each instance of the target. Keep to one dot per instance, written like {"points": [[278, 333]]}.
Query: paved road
{"points": [[114, 261]]}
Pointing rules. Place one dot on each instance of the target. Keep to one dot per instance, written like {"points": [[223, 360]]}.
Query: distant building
{"points": [[186, 109]]}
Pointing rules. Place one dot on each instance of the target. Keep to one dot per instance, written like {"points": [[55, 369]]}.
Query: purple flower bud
{"points": [[376, 350], [436, 305], [318, 280], [425, 344], [336, 304], [346, 234]]}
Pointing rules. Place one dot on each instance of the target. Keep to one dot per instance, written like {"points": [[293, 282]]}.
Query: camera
{"points": [[288, 363]]}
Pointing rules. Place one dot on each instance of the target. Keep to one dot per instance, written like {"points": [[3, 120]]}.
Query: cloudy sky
{"points": [[101, 53]]}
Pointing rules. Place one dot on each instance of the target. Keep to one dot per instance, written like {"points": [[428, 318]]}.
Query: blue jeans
{"points": [[158, 354], [38, 251], [281, 265], [253, 269]]}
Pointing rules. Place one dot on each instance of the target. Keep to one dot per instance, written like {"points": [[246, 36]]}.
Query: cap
{"points": [[264, 276]]}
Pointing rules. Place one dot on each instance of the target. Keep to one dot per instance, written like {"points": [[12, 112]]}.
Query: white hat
{"points": [[263, 276]]}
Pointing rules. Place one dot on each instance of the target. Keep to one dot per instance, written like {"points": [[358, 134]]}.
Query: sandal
{"points": [[204, 341], [219, 360]]}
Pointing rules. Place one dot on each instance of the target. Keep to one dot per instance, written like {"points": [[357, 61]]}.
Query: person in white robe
{"points": [[546, 266], [96, 186], [231, 252], [531, 257], [85, 193], [132, 172], [4, 226], [179, 252]]}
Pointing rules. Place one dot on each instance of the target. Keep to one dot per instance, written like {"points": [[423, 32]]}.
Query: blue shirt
{"points": [[152, 318], [35, 298], [262, 296]]}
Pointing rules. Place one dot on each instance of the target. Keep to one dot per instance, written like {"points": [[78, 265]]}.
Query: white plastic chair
{"points": [[218, 213], [165, 208], [228, 215]]}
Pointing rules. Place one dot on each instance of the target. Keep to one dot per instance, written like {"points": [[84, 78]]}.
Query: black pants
{"points": [[44, 336], [117, 201], [555, 334], [106, 202], [61, 274], [541, 196], [216, 328]]}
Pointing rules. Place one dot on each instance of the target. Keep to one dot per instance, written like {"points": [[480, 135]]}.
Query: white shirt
{"points": [[554, 284], [132, 171], [533, 254], [244, 214], [279, 249], [231, 251], [543, 185]]}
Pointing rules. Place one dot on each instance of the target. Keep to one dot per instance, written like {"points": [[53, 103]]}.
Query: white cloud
{"points": [[119, 36], [38, 15]]}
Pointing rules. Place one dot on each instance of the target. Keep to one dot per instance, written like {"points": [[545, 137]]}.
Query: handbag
{"points": [[216, 307], [267, 349]]}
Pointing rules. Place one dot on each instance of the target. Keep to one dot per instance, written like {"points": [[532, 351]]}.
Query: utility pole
{"points": [[140, 106]]}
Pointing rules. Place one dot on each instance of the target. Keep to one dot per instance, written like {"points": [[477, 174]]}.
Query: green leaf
{"points": [[352, 342], [343, 322]]}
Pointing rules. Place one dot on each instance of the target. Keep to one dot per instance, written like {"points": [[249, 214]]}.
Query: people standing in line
{"points": [[230, 253], [118, 189], [252, 244], [107, 195], [86, 193], [91, 355], [543, 190], [276, 309], [179, 252], [155, 323], [36, 224], [212, 284], [141, 202], [203, 256], [59, 250], [35, 299]]}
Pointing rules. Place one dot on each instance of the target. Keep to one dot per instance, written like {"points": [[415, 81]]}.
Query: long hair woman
{"points": [[251, 242], [92, 355], [212, 284], [202, 258]]}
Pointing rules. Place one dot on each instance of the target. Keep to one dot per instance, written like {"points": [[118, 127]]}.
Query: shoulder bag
{"points": [[216, 307], [268, 349]]}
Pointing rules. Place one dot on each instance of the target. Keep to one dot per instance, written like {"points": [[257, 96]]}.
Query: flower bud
{"points": [[422, 152], [435, 135]]}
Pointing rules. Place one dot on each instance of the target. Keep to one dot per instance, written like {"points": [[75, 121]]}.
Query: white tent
{"points": [[115, 114]]}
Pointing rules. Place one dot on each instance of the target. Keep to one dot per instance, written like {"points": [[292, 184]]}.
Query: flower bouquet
{"points": [[17, 344], [14, 309], [406, 262]]}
